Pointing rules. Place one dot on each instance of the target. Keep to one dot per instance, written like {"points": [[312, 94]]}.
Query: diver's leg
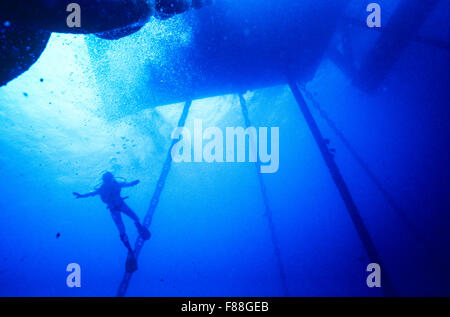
{"points": [[117, 217], [143, 232], [130, 213], [131, 264]]}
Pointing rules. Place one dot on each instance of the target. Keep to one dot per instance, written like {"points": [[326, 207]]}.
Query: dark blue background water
{"points": [[95, 110]]}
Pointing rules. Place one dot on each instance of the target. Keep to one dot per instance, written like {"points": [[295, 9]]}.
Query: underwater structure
{"points": [[251, 63]]}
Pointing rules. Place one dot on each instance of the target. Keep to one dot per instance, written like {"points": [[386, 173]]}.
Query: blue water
{"points": [[112, 105]]}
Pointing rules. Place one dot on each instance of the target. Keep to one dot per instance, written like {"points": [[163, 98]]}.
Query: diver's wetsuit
{"points": [[109, 192], [110, 195], [25, 26]]}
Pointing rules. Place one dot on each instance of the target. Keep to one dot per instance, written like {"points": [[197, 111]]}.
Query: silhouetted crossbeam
{"points": [[154, 202], [336, 175], [268, 212]]}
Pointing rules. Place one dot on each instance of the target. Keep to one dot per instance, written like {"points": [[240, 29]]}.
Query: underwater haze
{"points": [[90, 105]]}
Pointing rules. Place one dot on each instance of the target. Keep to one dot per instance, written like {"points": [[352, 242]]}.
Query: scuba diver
{"points": [[109, 192], [26, 26]]}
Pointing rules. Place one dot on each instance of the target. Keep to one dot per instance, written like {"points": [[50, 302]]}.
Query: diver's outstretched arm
{"points": [[130, 184], [91, 194]]}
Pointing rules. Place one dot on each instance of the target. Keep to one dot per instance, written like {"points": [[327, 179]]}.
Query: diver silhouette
{"points": [[26, 26], [110, 193]]}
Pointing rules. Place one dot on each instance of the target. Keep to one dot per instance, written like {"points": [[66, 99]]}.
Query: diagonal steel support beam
{"points": [[154, 202], [361, 229], [268, 213]]}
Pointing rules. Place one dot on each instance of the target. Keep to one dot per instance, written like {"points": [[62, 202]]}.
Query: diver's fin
{"points": [[131, 265], [143, 232]]}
